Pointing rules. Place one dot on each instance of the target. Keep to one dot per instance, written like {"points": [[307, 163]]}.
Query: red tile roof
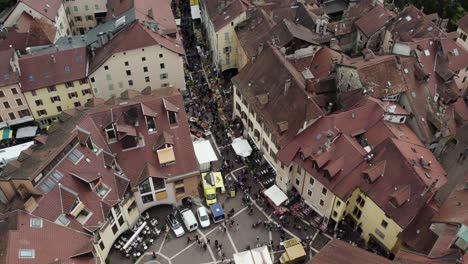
{"points": [[408, 257], [8, 75], [463, 23], [47, 8], [158, 11], [374, 20], [272, 74], [222, 12], [57, 67], [455, 208], [339, 252], [141, 36], [134, 161], [47, 241]]}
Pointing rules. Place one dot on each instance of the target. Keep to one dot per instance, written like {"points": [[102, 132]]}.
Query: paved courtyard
{"points": [[178, 250]]}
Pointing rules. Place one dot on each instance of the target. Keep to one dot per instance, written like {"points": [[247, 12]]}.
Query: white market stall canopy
{"points": [[276, 195], [241, 147], [204, 151], [24, 132], [195, 11], [255, 256]]}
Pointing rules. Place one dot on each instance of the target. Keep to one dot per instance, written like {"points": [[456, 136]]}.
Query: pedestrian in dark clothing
{"points": [[197, 238], [208, 241], [216, 243], [204, 246]]}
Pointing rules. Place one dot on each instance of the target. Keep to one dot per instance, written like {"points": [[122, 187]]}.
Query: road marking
{"points": [[208, 246], [232, 242]]}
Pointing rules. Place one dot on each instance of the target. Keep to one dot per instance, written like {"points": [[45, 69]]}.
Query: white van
{"points": [[189, 220]]}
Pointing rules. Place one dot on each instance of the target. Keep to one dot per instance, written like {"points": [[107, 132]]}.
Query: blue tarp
{"points": [[218, 213]]}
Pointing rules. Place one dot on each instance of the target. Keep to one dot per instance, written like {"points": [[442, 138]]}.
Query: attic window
{"points": [[62, 220], [100, 188], [406, 70], [67, 68], [30, 77], [172, 117], [27, 253], [110, 132], [408, 18], [75, 156], [166, 154], [36, 222], [456, 53], [6, 76], [427, 53], [151, 124]]}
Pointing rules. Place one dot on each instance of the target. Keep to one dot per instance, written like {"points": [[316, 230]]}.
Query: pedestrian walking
{"points": [[258, 239], [208, 241], [216, 243], [204, 246], [237, 227], [197, 238], [225, 229]]}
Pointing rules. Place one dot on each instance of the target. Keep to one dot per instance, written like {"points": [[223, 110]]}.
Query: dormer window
{"points": [[99, 188], [151, 124], [110, 133], [91, 146], [172, 118]]}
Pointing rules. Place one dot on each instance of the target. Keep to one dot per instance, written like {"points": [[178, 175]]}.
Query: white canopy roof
{"points": [[255, 256], [29, 131], [241, 147], [276, 195], [195, 10], [204, 151]]}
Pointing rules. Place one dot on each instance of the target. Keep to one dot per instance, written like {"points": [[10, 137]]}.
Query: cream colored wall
{"points": [[371, 220], [119, 80], [66, 103], [82, 12], [218, 41], [170, 199], [11, 99], [314, 199], [462, 42], [108, 237], [59, 19], [462, 79]]}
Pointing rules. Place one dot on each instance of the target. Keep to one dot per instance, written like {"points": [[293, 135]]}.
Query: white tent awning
{"points": [[204, 151], [254, 256], [241, 147], [276, 195], [195, 11], [29, 131]]}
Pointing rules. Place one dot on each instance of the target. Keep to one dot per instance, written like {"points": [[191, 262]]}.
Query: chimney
{"points": [[287, 84], [324, 28], [53, 58], [328, 141], [150, 13], [260, 48], [398, 62]]}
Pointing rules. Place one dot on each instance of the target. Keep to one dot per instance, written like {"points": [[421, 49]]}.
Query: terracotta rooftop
{"points": [[385, 75], [373, 20], [338, 252], [46, 241], [222, 12], [463, 23], [158, 11], [412, 23], [141, 36], [57, 67], [254, 31], [408, 257], [8, 74], [47, 8], [455, 208], [271, 73]]}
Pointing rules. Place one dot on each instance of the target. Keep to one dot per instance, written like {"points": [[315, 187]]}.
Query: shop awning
{"points": [[25, 132], [204, 151], [276, 195], [241, 147], [254, 256], [6, 133]]}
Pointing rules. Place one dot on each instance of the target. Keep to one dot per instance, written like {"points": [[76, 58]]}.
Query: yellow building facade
{"points": [[48, 102], [370, 218]]}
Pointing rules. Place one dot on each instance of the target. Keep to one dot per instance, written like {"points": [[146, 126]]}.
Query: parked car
{"points": [[203, 217], [189, 219], [175, 225]]}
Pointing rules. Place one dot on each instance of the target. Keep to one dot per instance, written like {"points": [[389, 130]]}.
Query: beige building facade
{"points": [[83, 15], [53, 14]]}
